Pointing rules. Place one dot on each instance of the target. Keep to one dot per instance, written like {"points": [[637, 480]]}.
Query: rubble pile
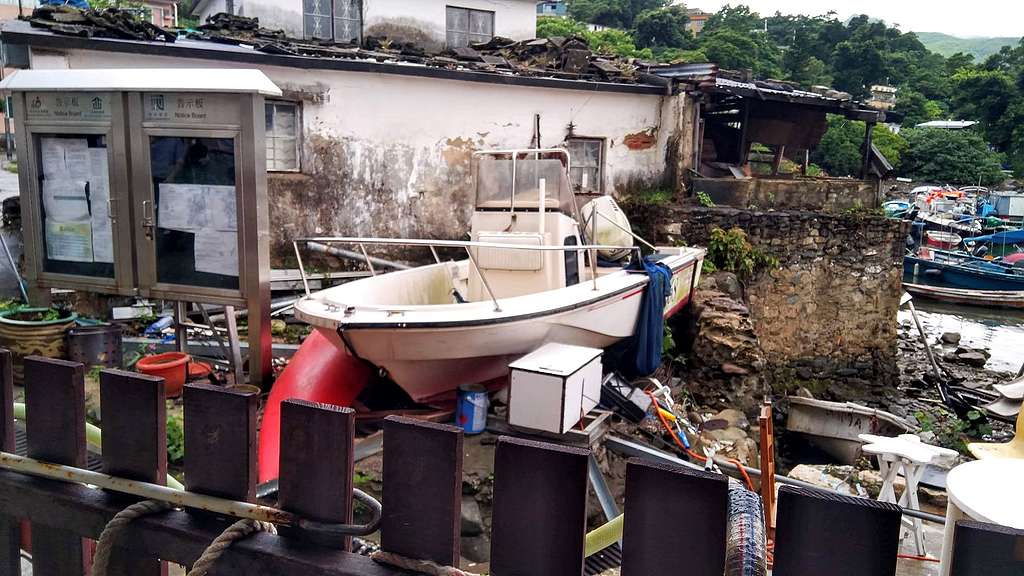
{"points": [[109, 23]]}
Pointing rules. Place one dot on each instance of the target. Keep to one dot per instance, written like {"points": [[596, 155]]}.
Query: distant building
{"points": [[947, 124], [698, 18], [557, 8], [882, 97], [162, 12]]}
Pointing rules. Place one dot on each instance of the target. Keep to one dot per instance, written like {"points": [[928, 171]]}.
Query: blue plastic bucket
{"points": [[471, 410]]}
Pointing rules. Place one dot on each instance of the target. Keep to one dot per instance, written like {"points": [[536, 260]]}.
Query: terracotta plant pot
{"points": [[171, 366], [24, 336]]}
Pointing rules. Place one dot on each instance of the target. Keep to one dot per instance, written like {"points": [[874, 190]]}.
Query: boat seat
{"points": [[1012, 449]]}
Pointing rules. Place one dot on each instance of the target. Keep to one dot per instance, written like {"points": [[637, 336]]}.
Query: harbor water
{"points": [[1001, 332]]}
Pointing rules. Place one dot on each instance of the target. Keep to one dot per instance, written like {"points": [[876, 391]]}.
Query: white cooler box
{"points": [[554, 386]]}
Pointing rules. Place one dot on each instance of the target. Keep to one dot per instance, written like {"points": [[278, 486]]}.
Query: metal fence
{"points": [[675, 519]]}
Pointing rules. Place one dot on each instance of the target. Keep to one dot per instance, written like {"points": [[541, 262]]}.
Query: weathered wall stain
{"points": [[641, 140]]}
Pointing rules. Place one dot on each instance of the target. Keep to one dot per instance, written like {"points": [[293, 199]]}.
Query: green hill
{"points": [[948, 45]]}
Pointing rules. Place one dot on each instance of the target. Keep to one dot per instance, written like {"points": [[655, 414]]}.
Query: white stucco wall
{"points": [[385, 154], [406, 20]]}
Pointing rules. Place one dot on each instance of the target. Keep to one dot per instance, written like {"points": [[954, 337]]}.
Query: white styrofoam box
{"points": [[554, 387], [507, 258]]}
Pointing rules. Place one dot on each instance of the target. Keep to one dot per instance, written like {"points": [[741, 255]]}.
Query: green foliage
{"points": [[841, 150], [663, 28], [730, 250], [610, 41], [552, 26], [916, 108], [704, 199], [950, 156], [12, 167], [175, 440], [950, 431], [616, 13], [655, 195], [949, 46]]}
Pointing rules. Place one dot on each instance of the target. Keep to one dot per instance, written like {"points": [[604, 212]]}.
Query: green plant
{"points": [[12, 167], [950, 431], [175, 439], [704, 199], [655, 195], [730, 250]]}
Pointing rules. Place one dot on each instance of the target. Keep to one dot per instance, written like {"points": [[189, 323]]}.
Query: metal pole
{"points": [[367, 257], [483, 279], [342, 253], [302, 271], [14, 267], [235, 346], [180, 330], [185, 499]]}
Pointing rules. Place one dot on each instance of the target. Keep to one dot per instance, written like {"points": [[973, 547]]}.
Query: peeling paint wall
{"points": [[386, 155]]}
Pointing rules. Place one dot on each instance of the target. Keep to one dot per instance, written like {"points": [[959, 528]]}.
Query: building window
{"points": [[466, 26], [282, 137], [586, 170], [346, 15]]}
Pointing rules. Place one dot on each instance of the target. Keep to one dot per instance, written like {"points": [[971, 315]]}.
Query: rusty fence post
{"points": [[134, 446], [987, 550], [316, 465], [422, 490], [540, 509], [676, 520], [10, 532], [55, 425], [821, 532]]}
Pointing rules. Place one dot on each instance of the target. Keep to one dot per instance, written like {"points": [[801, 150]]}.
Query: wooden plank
{"points": [[675, 517], [316, 462], [55, 428], [534, 483], [220, 441], [10, 534], [134, 446], [987, 550], [822, 532], [177, 536], [423, 489]]}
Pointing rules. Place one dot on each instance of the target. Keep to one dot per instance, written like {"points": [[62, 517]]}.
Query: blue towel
{"points": [[644, 352], [82, 4]]}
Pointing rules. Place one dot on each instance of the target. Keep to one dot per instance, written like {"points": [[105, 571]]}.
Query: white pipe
{"points": [[540, 207]]}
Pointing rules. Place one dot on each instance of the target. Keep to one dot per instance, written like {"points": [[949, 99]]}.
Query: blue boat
{"points": [[958, 270]]}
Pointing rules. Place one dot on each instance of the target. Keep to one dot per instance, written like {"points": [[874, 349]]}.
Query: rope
{"points": [[113, 529], [237, 531], [421, 566]]}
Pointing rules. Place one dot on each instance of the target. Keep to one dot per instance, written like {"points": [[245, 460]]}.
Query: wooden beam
{"points": [[134, 446], [55, 425], [423, 489], [866, 165], [220, 441]]}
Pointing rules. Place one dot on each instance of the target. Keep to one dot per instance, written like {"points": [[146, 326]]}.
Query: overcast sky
{"points": [[976, 18]]}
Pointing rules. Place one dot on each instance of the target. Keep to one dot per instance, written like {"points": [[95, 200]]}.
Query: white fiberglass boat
{"points": [[528, 279]]}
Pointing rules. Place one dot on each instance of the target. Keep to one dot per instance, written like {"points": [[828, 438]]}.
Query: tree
{"points": [[735, 18], [916, 108], [841, 151], [552, 26], [950, 156], [614, 13], [663, 28]]}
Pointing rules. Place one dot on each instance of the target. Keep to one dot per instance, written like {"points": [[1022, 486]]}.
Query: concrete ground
{"points": [[8, 279]]}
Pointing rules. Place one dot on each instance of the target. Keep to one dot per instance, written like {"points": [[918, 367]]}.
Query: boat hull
{"points": [[988, 298], [951, 275], [430, 359]]}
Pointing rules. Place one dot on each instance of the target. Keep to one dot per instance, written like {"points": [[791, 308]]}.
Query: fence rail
{"points": [[676, 519]]}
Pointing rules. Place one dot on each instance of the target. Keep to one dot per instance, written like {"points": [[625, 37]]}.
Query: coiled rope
{"points": [[237, 531]]}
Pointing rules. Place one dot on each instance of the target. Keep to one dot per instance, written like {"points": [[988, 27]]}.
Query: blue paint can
{"points": [[471, 410]]}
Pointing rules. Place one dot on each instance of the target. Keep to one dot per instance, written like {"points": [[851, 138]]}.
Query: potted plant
{"points": [[34, 332]]}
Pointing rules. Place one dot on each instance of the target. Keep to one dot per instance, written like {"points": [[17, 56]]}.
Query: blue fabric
{"points": [[986, 209], [644, 353], [1008, 237], [74, 3]]}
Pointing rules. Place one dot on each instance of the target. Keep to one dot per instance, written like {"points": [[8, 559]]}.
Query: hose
{"points": [[745, 545], [604, 536], [94, 436]]}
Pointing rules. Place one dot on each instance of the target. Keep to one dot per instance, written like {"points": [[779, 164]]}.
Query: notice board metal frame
{"points": [[31, 129], [236, 112]]}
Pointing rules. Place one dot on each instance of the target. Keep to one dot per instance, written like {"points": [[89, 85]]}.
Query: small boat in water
{"points": [[942, 240], [532, 275], [964, 279]]}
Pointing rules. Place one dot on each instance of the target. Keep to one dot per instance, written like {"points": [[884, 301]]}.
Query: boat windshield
{"points": [[495, 190]]}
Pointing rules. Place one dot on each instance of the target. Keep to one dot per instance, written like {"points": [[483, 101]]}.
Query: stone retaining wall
{"points": [[827, 314]]}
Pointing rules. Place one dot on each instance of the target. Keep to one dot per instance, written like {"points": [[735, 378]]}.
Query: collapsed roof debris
{"points": [[109, 23]]}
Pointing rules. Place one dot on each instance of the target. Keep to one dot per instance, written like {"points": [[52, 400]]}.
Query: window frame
{"points": [[469, 15], [333, 19], [298, 135], [602, 144]]}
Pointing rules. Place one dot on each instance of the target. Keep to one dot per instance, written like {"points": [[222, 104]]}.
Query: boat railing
{"points": [[362, 243]]}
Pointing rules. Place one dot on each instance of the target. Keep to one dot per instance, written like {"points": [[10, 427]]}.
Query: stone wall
{"points": [[827, 314], [828, 194]]}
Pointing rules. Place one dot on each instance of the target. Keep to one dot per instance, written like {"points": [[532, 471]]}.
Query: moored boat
{"points": [[962, 278]]}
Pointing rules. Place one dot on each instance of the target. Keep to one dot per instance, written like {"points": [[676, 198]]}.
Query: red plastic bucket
{"points": [[171, 366]]}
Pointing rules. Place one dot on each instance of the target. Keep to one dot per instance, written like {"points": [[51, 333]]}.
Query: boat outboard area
{"points": [[537, 269]]}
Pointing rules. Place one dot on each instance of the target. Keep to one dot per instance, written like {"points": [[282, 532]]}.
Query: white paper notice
{"points": [[65, 200], [53, 157], [193, 207], [99, 195], [69, 241], [77, 158], [217, 253]]}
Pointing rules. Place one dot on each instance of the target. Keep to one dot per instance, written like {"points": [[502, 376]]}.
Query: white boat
{"points": [[528, 279]]}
